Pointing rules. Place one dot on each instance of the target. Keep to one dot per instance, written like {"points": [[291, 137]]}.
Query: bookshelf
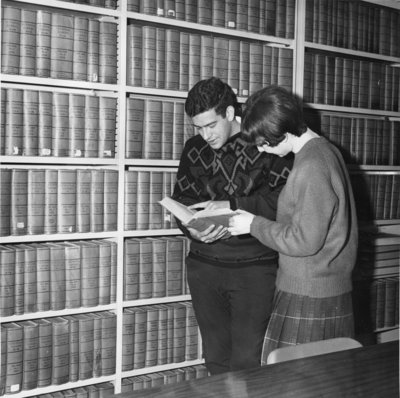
{"points": [[175, 49]]}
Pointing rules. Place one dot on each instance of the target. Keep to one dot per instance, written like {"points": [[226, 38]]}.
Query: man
{"points": [[231, 279]]}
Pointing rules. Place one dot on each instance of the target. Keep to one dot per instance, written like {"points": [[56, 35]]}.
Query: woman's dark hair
{"points": [[270, 113], [211, 93]]}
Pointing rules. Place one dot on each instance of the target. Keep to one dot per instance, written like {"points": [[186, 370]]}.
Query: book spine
{"points": [[5, 202], [149, 50], [159, 272], [35, 201], [145, 269], [43, 43], [162, 337], [10, 39], [108, 343], [80, 46], [155, 195], [206, 56], [184, 61], [113, 277], [255, 67], [43, 277], [128, 326], [60, 344], [19, 201], [66, 198], [30, 279], [244, 68], [93, 49], [204, 12], [83, 185], [57, 276], [72, 276], [130, 199], [30, 134], [134, 128], [108, 52], [97, 337], [160, 57], [134, 55], [107, 127], [143, 200], [45, 123], [191, 334], [14, 122], [104, 272], [45, 352], [151, 336], [179, 332], [50, 201], [89, 274], [97, 200], [233, 64], [172, 59], [139, 338], [19, 280], [14, 336], [86, 346], [131, 269], [218, 13], [92, 126], [7, 281], [62, 41], [3, 101], [110, 200], [178, 129], [76, 125], [175, 258], [27, 52], [60, 123], [73, 328], [30, 355], [242, 9], [221, 58], [194, 58]]}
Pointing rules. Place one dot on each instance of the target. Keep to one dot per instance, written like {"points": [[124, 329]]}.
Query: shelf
{"points": [[156, 300], [14, 160]]}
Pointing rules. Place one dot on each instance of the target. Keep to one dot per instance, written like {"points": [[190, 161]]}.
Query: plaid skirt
{"points": [[301, 319]]}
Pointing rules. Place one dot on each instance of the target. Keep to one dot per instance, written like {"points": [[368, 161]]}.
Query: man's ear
{"points": [[230, 113]]}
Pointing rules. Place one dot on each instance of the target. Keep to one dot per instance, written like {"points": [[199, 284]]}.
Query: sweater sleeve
{"points": [[304, 231]]}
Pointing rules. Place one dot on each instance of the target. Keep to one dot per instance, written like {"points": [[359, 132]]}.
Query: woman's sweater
{"points": [[315, 231]]}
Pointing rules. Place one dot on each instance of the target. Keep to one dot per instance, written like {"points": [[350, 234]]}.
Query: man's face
{"points": [[214, 128]]}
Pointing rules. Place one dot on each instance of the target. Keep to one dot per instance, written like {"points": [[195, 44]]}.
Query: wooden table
{"points": [[371, 371]]}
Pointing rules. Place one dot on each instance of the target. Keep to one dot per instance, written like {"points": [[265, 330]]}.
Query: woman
{"points": [[315, 231]]}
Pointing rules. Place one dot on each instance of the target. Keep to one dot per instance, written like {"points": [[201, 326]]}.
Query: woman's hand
{"points": [[239, 224], [211, 205]]}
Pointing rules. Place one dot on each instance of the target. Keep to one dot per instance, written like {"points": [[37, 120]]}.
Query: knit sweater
{"points": [[239, 173], [315, 231]]}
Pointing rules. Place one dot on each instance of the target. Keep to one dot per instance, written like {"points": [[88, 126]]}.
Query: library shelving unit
{"points": [[91, 136], [92, 285]]}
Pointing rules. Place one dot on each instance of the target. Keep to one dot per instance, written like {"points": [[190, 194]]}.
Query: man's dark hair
{"points": [[211, 93]]}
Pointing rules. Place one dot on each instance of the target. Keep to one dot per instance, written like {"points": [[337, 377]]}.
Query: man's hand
{"points": [[211, 234]]}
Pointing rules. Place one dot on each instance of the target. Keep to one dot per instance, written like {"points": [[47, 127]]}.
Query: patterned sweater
{"points": [[315, 230], [241, 174]]}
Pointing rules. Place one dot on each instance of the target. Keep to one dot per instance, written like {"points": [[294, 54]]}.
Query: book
{"points": [[83, 184], [60, 123], [108, 52], [134, 127], [155, 195], [60, 354], [62, 41], [162, 334], [13, 334], [110, 217], [244, 65], [199, 220], [160, 57], [30, 278], [97, 333], [194, 58], [72, 274], [221, 58], [143, 199], [149, 69], [45, 123], [108, 343], [128, 326], [7, 280], [152, 128], [151, 349], [178, 130], [86, 345], [92, 125], [172, 59], [179, 332], [167, 129], [35, 201], [191, 333], [66, 201], [27, 46], [50, 201], [10, 39], [76, 126], [206, 56], [57, 276], [184, 61], [107, 127], [159, 271], [93, 50], [113, 276], [131, 269], [139, 337], [89, 273], [5, 202], [30, 354], [43, 43], [79, 65], [14, 122], [104, 266], [134, 55], [45, 352], [256, 67], [42, 276], [19, 201], [30, 132], [175, 254], [145, 268], [97, 200], [130, 199], [233, 64]]}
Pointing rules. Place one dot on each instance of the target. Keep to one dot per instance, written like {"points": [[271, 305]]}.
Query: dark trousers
{"points": [[232, 307]]}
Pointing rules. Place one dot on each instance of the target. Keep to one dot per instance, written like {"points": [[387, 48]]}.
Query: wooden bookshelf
{"points": [[282, 47]]}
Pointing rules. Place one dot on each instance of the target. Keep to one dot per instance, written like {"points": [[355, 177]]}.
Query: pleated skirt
{"points": [[299, 319]]}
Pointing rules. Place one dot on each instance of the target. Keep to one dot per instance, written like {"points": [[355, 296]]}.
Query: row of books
{"points": [[378, 300], [100, 390], [164, 377], [362, 139], [270, 17], [351, 82], [50, 44], [156, 128], [57, 350], [356, 25], [377, 195], [159, 334], [54, 276], [143, 190], [43, 123], [97, 3], [161, 57], [154, 267], [49, 201]]}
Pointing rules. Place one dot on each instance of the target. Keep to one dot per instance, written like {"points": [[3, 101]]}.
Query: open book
{"points": [[199, 220]]}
